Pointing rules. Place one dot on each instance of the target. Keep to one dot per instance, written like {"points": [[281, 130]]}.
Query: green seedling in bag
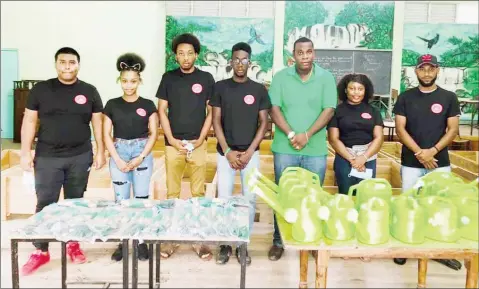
{"points": [[370, 188], [441, 219], [373, 222], [340, 222], [408, 220]]}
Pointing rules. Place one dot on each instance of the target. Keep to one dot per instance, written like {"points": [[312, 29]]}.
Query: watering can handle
{"points": [[351, 189], [383, 181], [412, 192]]}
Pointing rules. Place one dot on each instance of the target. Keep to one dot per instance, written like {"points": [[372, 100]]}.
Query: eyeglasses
{"points": [[243, 61]]}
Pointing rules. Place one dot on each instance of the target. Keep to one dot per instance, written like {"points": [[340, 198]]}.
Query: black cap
{"points": [[427, 59]]}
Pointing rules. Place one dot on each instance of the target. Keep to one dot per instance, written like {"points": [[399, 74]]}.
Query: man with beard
{"points": [[240, 115], [427, 121], [185, 116], [303, 99]]}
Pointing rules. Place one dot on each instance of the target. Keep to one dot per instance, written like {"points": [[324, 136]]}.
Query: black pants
{"points": [[51, 173]]}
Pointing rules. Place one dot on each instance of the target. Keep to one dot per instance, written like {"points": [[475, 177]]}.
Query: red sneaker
{"points": [[75, 253], [37, 259]]}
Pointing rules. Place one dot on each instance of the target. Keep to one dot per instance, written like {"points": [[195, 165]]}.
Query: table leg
{"points": [[421, 272], [15, 276], [243, 265], [303, 268], [150, 266], [125, 263], [134, 265], [157, 259], [64, 264], [322, 268], [472, 267]]}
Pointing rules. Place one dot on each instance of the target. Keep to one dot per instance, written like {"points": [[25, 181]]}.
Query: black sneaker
{"points": [[142, 252], [400, 261], [224, 254], [248, 258], [118, 254]]}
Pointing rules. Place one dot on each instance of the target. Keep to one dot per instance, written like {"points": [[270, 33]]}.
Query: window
{"points": [[428, 12], [248, 9]]}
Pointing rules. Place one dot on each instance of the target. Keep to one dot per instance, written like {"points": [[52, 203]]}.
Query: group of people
{"points": [[302, 102]]}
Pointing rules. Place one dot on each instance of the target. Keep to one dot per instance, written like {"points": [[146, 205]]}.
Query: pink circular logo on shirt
{"points": [[436, 108], [249, 99], [141, 112], [197, 88], [80, 99], [366, 115]]}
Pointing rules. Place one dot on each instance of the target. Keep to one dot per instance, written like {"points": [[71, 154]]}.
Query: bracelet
{"points": [[227, 151], [436, 148], [307, 138]]}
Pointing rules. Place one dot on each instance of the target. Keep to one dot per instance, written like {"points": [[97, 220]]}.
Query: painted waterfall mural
{"points": [[217, 36], [456, 47], [338, 25]]}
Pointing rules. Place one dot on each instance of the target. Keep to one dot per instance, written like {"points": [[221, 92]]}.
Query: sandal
{"points": [[204, 252], [168, 249]]}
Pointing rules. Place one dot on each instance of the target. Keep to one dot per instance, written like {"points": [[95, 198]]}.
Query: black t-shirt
{"points": [[355, 123], [130, 119], [65, 112], [187, 95], [240, 105], [426, 121]]}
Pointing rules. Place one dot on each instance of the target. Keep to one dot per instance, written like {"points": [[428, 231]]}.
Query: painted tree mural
{"points": [[377, 17]]}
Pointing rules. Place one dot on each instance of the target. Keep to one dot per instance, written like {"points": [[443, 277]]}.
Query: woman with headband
{"points": [[134, 121]]}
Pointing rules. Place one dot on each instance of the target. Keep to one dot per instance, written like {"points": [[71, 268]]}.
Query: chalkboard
{"points": [[375, 64]]}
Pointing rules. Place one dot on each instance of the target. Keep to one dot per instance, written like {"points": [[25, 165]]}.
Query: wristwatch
{"points": [[291, 134]]}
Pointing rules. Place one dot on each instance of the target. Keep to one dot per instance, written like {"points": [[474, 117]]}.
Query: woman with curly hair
{"points": [[134, 121], [355, 132]]}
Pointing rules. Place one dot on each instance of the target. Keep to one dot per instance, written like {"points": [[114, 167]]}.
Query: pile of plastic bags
{"points": [[90, 220]]}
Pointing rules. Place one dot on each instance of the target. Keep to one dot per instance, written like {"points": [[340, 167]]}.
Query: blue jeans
{"points": [[342, 168], [410, 175], [138, 178], [315, 165], [226, 180]]}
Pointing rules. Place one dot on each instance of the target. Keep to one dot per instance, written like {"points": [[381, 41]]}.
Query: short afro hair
{"points": [[186, 38], [241, 46], [67, 50], [359, 78], [130, 61], [302, 40]]}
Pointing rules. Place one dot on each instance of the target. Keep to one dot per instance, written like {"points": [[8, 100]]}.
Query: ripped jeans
{"points": [[139, 178]]}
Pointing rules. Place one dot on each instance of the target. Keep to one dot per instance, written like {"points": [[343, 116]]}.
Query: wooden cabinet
{"points": [[21, 89]]}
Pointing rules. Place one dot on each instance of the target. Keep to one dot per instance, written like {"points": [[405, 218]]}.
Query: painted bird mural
{"points": [[255, 36], [430, 42]]}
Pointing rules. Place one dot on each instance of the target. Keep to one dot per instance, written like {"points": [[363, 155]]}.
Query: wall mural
{"points": [[217, 35], [456, 47], [338, 25]]}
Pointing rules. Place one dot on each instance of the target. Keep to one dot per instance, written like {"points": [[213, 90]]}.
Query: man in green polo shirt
{"points": [[304, 97]]}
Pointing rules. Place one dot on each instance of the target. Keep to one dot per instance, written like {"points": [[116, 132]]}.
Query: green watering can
{"points": [[373, 222], [408, 220], [458, 190], [441, 218], [434, 183], [468, 214], [340, 218], [297, 199], [370, 188], [307, 227]]}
